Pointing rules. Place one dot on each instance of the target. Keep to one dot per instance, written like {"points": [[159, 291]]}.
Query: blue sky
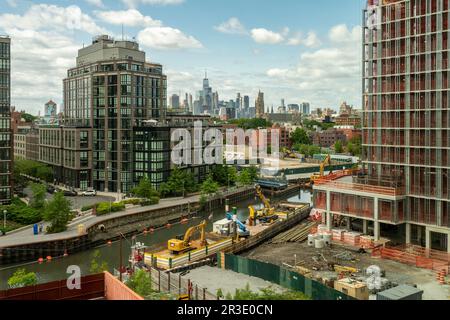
{"points": [[294, 49]]}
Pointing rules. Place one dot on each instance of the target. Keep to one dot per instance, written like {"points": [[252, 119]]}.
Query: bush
{"points": [[105, 207], [87, 208], [149, 202], [24, 215], [134, 202]]}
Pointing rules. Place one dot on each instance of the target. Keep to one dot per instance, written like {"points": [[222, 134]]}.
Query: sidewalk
{"points": [[26, 236]]}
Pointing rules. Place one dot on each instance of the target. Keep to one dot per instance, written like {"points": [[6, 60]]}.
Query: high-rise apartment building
{"points": [[406, 135], [112, 89], [259, 105], [174, 101], [5, 120]]}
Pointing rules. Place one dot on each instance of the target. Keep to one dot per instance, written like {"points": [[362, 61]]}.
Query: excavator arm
{"points": [[192, 230]]}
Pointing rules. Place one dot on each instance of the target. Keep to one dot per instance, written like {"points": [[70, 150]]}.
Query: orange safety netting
{"points": [[415, 256]]}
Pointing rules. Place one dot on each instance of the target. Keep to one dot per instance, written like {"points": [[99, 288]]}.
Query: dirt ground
{"points": [[301, 254], [228, 281]]}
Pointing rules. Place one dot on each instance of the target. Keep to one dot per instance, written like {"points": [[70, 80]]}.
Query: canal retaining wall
{"points": [[112, 228]]}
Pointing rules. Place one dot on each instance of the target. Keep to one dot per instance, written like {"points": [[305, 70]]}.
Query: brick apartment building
{"points": [[406, 136], [328, 138]]}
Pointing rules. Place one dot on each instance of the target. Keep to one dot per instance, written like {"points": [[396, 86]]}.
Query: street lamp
{"points": [[4, 219], [106, 187]]}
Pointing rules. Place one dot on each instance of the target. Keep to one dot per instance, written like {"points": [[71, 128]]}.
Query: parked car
{"points": [[70, 193], [51, 189], [89, 193]]}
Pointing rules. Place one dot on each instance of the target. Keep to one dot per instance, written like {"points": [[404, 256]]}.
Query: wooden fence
{"points": [[178, 285]]}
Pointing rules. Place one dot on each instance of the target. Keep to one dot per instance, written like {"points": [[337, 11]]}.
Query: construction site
{"points": [[335, 261]]}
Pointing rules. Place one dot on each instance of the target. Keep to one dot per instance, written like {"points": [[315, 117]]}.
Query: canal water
{"points": [[56, 269]]}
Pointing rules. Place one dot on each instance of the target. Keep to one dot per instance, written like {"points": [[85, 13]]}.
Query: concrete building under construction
{"points": [[404, 189]]}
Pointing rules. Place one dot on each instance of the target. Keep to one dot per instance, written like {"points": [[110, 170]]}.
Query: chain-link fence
{"points": [[281, 276]]}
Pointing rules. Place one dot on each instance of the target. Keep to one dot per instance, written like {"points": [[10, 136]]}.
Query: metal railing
{"points": [[361, 187]]}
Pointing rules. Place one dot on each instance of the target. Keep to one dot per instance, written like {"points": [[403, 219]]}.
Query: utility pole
{"points": [[120, 257]]}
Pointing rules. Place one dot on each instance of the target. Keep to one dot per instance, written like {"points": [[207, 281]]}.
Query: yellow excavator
{"points": [[267, 214], [179, 246], [289, 154], [325, 163]]}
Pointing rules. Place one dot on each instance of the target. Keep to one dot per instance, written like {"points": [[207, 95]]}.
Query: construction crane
{"points": [[178, 246], [267, 214], [269, 210], [325, 163]]}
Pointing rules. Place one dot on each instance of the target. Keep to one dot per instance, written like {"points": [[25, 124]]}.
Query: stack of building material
{"points": [[322, 229], [297, 234], [338, 234], [352, 238], [367, 242]]}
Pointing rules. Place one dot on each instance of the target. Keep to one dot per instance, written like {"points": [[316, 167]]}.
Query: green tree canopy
{"points": [[39, 194], [21, 279], [57, 212], [32, 168], [245, 178], [300, 136], [28, 117], [338, 147], [98, 266], [209, 186], [180, 182], [145, 189], [354, 146], [267, 294], [307, 150], [141, 283], [253, 123], [224, 175]]}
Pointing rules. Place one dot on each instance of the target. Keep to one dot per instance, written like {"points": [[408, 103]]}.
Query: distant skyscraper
{"points": [[5, 124], [50, 113], [206, 96], [175, 101], [246, 103], [259, 105], [305, 108]]}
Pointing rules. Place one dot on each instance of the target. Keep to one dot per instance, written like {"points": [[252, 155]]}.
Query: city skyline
{"points": [[284, 58]]}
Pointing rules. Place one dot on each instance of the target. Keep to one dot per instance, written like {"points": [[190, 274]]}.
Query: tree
{"points": [[28, 117], [253, 172], [39, 194], [141, 283], [354, 146], [209, 186], [245, 178], [338, 147], [179, 183], [96, 265], [21, 279], [307, 150], [57, 212], [300, 136], [145, 189], [267, 294]]}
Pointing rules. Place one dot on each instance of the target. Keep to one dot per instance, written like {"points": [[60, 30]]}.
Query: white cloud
{"points": [[12, 3], [232, 26], [130, 18], [341, 33], [43, 16], [43, 47], [167, 38], [96, 3], [264, 36], [329, 74], [135, 3], [310, 41]]}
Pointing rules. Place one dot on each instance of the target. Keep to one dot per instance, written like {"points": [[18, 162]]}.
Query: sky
{"points": [[297, 50]]}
